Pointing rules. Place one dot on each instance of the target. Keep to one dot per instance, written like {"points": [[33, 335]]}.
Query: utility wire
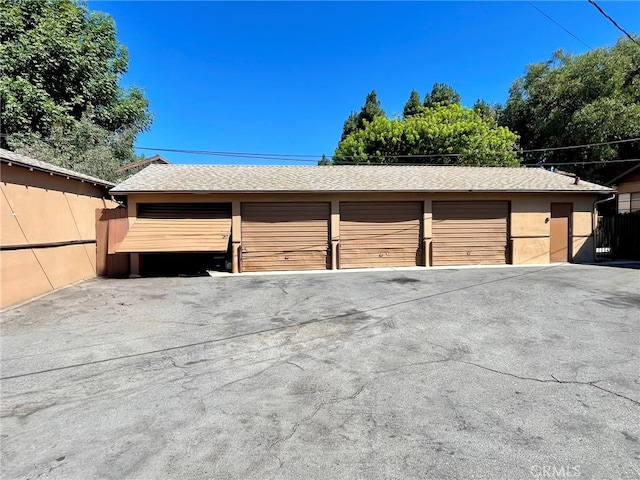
{"points": [[586, 145], [615, 160], [562, 27], [592, 2], [314, 158]]}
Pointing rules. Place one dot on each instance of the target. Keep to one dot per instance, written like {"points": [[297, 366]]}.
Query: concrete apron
{"points": [[384, 269]]}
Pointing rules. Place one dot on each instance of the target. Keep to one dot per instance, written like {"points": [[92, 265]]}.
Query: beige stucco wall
{"points": [[529, 223], [35, 209], [530, 227]]}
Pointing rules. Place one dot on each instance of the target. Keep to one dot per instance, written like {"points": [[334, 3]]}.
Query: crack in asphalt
{"points": [[341, 316], [592, 383], [295, 365], [317, 408], [552, 380]]}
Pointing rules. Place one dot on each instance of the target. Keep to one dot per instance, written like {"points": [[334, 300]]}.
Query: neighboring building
{"points": [[48, 233], [134, 167], [301, 218], [628, 187]]}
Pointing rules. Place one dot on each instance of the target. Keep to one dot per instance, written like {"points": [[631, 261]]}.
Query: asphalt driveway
{"points": [[472, 373]]}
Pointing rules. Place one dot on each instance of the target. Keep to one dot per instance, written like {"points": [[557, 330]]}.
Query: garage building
{"points": [[267, 218], [47, 226]]}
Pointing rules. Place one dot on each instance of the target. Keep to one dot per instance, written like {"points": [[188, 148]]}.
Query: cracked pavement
{"points": [[460, 373]]}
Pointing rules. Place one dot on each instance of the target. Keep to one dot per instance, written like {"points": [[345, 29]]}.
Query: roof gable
{"points": [[623, 175]]}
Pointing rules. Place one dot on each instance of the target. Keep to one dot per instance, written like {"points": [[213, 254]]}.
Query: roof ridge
{"points": [[341, 166]]}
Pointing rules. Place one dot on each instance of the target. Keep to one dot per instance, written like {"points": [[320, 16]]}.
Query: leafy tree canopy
{"points": [[575, 100], [444, 129], [85, 147], [489, 113], [61, 64]]}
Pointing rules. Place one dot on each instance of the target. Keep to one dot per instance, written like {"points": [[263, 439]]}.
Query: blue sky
{"points": [[282, 77]]}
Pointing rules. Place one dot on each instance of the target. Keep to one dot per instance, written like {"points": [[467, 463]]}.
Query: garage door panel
{"points": [[473, 261], [471, 249], [178, 227], [379, 234], [377, 257], [470, 232], [375, 243], [279, 261], [290, 248], [285, 236]]}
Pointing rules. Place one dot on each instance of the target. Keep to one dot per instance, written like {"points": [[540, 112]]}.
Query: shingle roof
{"points": [[349, 178], [8, 156]]}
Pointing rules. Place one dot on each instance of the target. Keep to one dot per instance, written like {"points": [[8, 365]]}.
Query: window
{"points": [[624, 203], [635, 202]]}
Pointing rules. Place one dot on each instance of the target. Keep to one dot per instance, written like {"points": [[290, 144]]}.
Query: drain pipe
{"points": [[594, 221]]}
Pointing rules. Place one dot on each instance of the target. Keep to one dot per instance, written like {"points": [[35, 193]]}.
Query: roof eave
{"points": [[69, 176], [248, 192], [614, 180]]}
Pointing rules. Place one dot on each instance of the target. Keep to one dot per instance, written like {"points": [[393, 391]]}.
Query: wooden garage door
{"points": [[470, 233], [380, 234], [178, 227], [285, 236]]}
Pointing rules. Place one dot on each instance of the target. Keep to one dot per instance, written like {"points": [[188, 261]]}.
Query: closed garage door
{"points": [[470, 233], [380, 234], [285, 236]]}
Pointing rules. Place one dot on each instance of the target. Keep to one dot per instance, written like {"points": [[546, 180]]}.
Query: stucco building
{"points": [[48, 227], [263, 218]]}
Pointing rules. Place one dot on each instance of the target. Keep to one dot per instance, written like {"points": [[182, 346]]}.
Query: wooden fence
{"points": [[111, 227]]}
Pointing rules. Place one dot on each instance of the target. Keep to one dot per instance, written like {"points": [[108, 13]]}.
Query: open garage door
{"points": [[380, 234], [179, 227], [470, 233], [285, 236]]}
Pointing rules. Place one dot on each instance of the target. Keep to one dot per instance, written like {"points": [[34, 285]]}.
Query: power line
{"points": [[224, 154], [562, 27], [586, 145], [530, 165], [592, 2], [314, 158], [615, 160]]}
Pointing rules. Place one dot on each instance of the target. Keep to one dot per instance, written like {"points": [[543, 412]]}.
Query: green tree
{"points": [[85, 147], [579, 99], [413, 105], [441, 130], [441, 95], [324, 160], [357, 121], [350, 125], [61, 65], [489, 113], [371, 109]]}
